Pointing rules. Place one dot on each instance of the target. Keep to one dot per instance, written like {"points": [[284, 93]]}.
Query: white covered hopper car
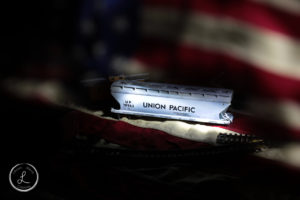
{"points": [[208, 105]]}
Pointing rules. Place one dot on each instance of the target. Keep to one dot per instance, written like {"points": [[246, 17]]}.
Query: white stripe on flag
{"points": [[283, 112], [292, 6], [288, 154], [264, 49]]}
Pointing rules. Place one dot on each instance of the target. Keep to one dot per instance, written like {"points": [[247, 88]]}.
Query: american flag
{"points": [[250, 46]]}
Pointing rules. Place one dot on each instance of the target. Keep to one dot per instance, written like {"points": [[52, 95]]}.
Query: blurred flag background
{"points": [[250, 46]]}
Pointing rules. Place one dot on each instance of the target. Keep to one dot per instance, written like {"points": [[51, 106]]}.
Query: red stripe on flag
{"points": [[156, 53], [237, 74]]}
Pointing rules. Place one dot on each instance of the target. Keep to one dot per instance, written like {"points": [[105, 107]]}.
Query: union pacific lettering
{"points": [[171, 107], [154, 105]]}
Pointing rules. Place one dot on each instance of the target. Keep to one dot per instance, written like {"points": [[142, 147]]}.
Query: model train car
{"points": [[208, 105]]}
